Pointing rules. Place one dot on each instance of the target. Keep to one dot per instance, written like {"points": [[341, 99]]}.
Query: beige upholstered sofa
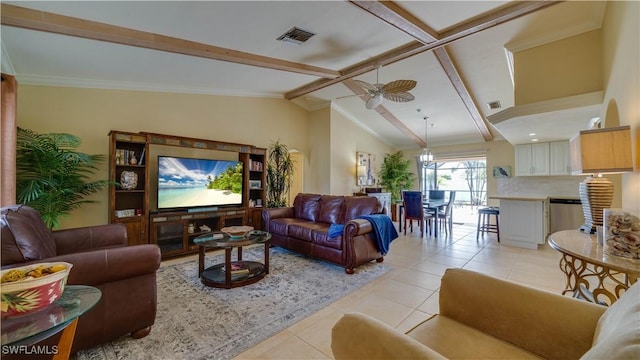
{"points": [[487, 318]]}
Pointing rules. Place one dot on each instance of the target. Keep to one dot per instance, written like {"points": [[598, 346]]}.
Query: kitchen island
{"points": [[523, 220]]}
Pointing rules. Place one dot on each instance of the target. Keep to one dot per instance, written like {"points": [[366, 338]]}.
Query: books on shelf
{"points": [[255, 165], [124, 157], [237, 268]]}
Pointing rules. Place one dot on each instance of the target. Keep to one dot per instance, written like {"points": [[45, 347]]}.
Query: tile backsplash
{"points": [[541, 186]]}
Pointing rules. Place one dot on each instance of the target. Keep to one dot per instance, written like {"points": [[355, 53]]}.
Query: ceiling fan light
{"points": [[374, 101]]}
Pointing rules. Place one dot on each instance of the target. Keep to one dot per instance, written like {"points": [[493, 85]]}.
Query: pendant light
{"points": [[426, 157]]}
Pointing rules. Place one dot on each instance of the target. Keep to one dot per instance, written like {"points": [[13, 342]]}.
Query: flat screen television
{"points": [[192, 183]]}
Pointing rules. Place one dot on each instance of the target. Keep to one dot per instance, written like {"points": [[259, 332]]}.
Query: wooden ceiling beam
{"points": [[458, 84], [66, 25], [400, 18], [490, 20]]}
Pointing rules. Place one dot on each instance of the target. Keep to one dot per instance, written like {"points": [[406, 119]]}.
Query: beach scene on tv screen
{"points": [[184, 182]]}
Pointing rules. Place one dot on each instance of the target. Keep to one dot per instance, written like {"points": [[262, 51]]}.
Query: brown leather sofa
{"points": [[304, 228], [126, 275]]}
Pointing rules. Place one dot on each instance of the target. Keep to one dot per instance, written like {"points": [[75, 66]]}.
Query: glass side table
{"points": [[21, 332]]}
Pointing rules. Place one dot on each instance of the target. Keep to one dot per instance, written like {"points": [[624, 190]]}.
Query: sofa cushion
{"points": [[331, 209], [618, 329], [321, 237], [355, 206], [25, 237], [307, 206], [455, 340], [304, 230], [281, 226]]}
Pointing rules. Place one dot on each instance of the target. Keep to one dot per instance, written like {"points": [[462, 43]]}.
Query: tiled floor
{"points": [[408, 294]]}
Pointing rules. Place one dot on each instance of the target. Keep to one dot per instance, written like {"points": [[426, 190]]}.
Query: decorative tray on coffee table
{"points": [[236, 232]]}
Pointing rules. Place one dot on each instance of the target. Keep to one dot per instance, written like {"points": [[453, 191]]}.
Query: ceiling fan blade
{"points": [[399, 86], [368, 87], [348, 96], [374, 101], [399, 97]]}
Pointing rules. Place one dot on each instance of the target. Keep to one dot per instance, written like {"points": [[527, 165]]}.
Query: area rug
{"points": [[198, 322]]}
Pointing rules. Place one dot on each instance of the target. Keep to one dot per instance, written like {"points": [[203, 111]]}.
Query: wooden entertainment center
{"points": [[174, 230]]}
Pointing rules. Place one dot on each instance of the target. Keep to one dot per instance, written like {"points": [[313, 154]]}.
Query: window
{"points": [[468, 178]]}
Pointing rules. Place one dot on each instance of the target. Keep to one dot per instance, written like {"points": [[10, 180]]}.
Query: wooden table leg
{"points": [[200, 261], [227, 266], [266, 257], [66, 341]]}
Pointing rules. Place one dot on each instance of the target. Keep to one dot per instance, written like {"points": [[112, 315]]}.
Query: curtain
{"points": [[8, 130]]}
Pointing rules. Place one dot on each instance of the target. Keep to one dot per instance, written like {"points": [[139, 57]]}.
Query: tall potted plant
{"points": [[395, 176], [52, 176], [279, 174]]}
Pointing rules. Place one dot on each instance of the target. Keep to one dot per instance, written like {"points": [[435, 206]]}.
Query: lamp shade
{"points": [[361, 171], [599, 151]]}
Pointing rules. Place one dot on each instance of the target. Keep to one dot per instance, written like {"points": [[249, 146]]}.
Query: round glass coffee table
{"points": [[236, 273]]}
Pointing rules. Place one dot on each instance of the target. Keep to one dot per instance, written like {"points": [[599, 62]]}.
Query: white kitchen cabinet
{"points": [[532, 159], [559, 158], [523, 222]]}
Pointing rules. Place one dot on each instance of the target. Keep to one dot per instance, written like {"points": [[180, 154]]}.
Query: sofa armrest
{"points": [[107, 265], [358, 336], [275, 213], [550, 325], [88, 238], [357, 227]]}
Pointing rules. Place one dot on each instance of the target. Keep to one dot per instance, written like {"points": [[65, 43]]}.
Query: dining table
{"points": [[433, 205]]}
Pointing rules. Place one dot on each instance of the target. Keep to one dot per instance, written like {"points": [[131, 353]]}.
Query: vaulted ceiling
{"points": [[457, 51]]}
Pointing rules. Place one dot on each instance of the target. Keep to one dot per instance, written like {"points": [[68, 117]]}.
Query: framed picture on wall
{"points": [[369, 172], [501, 171]]}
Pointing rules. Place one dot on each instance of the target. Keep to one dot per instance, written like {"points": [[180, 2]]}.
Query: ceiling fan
{"points": [[397, 91]]}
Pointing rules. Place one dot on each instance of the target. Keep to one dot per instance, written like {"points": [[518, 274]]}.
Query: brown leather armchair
{"points": [[126, 275]]}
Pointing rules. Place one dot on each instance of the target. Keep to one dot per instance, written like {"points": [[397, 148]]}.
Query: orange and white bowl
{"points": [[31, 294]]}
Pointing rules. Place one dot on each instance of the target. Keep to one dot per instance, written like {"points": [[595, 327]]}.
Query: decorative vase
{"points": [[133, 160], [622, 233], [128, 180], [596, 194]]}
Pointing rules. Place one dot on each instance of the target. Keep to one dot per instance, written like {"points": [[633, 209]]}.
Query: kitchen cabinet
{"points": [[523, 222], [532, 159], [559, 158]]}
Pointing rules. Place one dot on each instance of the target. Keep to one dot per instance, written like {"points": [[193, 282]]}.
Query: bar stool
{"points": [[484, 221]]}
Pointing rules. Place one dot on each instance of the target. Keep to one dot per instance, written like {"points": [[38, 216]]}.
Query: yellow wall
{"points": [[91, 113], [347, 138], [319, 158], [559, 69], [621, 69]]}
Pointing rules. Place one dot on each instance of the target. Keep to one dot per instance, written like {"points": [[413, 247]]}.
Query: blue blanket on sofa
{"points": [[383, 230]]}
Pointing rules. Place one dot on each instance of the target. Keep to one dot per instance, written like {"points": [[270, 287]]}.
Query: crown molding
{"points": [[43, 80]]}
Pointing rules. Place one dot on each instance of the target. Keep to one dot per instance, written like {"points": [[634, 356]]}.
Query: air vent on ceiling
{"points": [[494, 105], [296, 36]]}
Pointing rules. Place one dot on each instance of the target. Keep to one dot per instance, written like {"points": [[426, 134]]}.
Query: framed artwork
{"points": [[255, 184], [370, 171], [501, 171]]}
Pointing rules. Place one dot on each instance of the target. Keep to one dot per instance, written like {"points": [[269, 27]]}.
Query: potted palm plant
{"points": [[52, 176], [279, 174], [395, 176]]}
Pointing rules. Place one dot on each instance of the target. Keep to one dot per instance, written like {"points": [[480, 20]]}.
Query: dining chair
{"points": [[412, 203], [445, 215]]}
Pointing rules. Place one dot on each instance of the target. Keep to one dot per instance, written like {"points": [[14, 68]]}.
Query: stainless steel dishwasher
{"points": [[565, 214]]}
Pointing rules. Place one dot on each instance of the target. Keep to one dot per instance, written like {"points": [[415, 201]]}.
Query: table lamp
{"points": [[361, 172], [596, 152]]}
